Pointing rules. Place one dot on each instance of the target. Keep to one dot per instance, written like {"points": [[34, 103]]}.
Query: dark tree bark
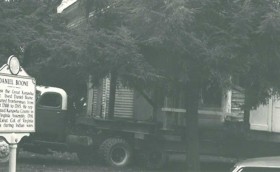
{"points": [[192, 133], [247, 110]]}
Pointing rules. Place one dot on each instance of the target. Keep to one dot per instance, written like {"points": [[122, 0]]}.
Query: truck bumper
{"points": [[74, 140]]}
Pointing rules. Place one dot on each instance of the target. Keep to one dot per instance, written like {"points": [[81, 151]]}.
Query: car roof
{"points": [[50, 89], [261, 162]]}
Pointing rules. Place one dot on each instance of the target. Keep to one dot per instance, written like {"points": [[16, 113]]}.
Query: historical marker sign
{"points": [[17, 105], [17, 99]]}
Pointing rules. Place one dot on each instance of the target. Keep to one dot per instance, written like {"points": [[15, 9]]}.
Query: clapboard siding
{"points": [[237, 101], [124, 101]]}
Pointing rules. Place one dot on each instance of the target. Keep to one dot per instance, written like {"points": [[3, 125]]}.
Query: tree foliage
{"points": [[33, 31], [178, 40], [210, 41], [109, 45]]}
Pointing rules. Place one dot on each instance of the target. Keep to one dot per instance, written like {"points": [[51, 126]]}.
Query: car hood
{"points": [[260, 162]]}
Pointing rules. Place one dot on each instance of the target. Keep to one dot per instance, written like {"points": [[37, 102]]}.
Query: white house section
{"points": [[276, 115], [261, 118]]}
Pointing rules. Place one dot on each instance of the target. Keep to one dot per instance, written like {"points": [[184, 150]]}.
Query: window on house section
{"points": [[211, 97], [50, 100]]}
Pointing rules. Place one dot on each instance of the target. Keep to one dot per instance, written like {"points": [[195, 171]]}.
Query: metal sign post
{"points": [[13, 139], [17, 105]]}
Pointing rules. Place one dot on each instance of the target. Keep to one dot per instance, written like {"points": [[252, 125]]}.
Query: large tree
{"points": [[196, 43], [177, 38], [191, 44]]}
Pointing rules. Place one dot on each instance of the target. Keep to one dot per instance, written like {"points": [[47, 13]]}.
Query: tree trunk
{"points": [[192, 133], [246, 110], [155, 99], [89, 96], [112, 96]]}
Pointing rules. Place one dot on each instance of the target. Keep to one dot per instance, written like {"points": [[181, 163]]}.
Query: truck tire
{"points": [[155, 159], [116, 152]]}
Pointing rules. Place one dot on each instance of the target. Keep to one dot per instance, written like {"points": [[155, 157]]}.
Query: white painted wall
{"points": [[260, 118], [266, 117]]}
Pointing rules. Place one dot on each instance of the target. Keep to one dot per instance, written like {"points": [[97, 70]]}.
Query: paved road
{"points": [[68, 163]]}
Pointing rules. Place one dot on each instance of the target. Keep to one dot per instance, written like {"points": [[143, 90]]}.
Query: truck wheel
{"points": [[155, 159], [116, 152]]}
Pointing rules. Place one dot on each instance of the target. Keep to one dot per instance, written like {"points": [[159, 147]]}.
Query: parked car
{"points": [[263, 164], [4, 151]]}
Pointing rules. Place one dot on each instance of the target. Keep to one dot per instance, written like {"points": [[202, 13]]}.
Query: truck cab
{"points": [[51, 113], [52, 121]]}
